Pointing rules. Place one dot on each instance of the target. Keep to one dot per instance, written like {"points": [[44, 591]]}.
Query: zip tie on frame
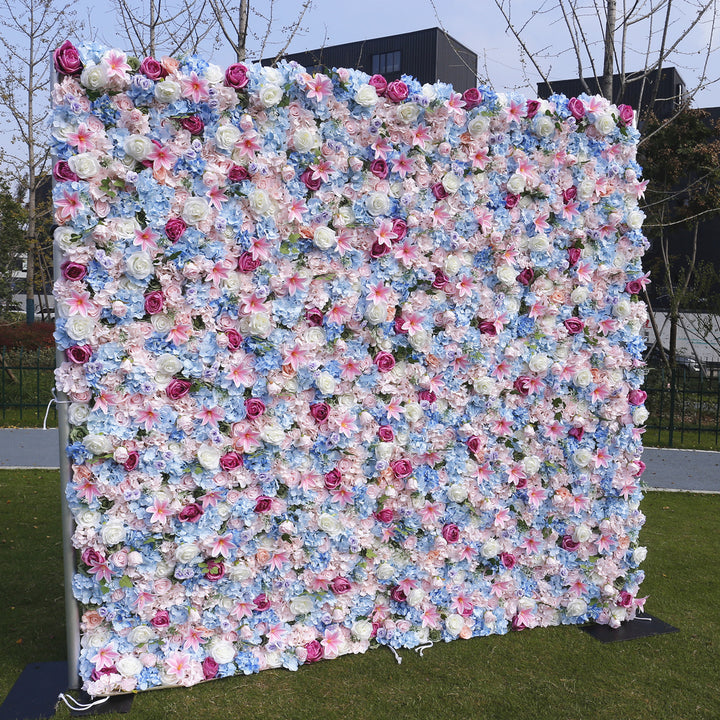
{"points": [[421, 648], [74, 704], [53, 399]]}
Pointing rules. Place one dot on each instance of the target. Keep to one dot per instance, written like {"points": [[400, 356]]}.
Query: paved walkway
{"points": [[667, 469]]}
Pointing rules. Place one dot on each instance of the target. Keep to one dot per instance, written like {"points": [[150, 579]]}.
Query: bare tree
{"points": [[31, 30]]}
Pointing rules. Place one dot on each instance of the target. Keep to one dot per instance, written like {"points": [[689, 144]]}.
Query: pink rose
{"points": [[154, 302], [178, 388], [263, 504], [569, 544], [209, 668], [236, 76], [526, 276], [63, 173], [399, 227], [92, 557], [577, 433], [231, 461], [385, 515], [532, 108], [398, 594], [379, 83], [314, 651], [576, 108], [320, 411], [247, 263], [311, 182], [384, 361], [472, 98], [340, 585], [161, 619], [398, 326], [254, 407], [508, 560], [451, 532], [626, 114], [261, 602], [522, 385], [574, 325], [439, 191], [633, 287], [193, 124], [401, 468], [569, 194], [511, 200], [641, 468], [215, 570], [473, 444], [385, 433], [314, 317], [174, 228], [333, 479], [73, 271], [487, 327], [234, 339], [78, 354], [152, 69], [238, 173], [190, 513], [67, 59], [379, 168], [573, 255], [637, 397], [397, 91], [441, 279], [133, 460]]}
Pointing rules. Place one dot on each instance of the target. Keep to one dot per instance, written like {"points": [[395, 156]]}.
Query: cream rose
{"points": [[129, 666], [195, 210], [478, 126], [226, 136], [454, 624], [451, 182], [362, 629], [94, 77], [582, 457], [325, 383], [259, 325], [222, 651], [635, 219], [376, 314], [167, 91], [272, 433], [583, 377], [169, 364], [576, 608], [324, 237], [586, 189], [78, 413], [302, 605], [490, 548], [582, 533], [330, 524], [484, 386], [605, 124], [84, 165], [260, 202], [457, 492], [543, 125], [507, 274], [162, 323], [516, 184], [97, 444], [186, 553], [377, 203], [208, 456], [413, 412], [137, 147], [113, 532], [539, 363], [139, 265], [270, 95], [366, 95], [639, 554], [305, 140], [579, 295], [141, 634], [408, 112], [385, 571]]}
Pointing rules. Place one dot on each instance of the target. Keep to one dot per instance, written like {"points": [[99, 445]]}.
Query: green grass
{"points": [[543, 674]]}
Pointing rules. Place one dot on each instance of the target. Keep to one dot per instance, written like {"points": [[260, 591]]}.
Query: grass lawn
{"points": [[551, 673]]}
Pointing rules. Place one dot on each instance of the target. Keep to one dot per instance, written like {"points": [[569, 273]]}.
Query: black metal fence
{"points": [[26, 383]]}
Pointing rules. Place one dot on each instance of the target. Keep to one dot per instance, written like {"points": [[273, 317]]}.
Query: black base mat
{"points": [[642, 626]]}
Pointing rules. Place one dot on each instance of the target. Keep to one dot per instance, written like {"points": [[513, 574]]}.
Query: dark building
{"points": [[669, 94], [428, 55]]}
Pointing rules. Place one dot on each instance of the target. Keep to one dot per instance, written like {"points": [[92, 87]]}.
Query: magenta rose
{"points": [[92, 557], [385, 515], [521, 483], [625, 599], [236, 76], [247, 263], [379, 83], [238, 173], [398, 326], [487, 327], [209, 668], [231, 461], [78, 354], [522, 385], [379, 168], [511, 200], [190, 513], [473, 444], [152, 69], [633, 287], [637, 397], [569, 194], [379, 249], [427, 396], [576, 108], [384, 361], [174, 228], [67, 59], [261, 602], [399, 227], [517, 623], [178, 388], [577, 433], [234, 339], [63, 173], [398, 594], [441, 279], [397, 91], [573, 255], [532, 108], [574, 325], [314, 651], [314, 317], [451, 532], [320, 411], [568, 543], [311, 182], [626, 114], [472, 98], [193, 124], [439, 191], [154, 302], [508, 560], [161, 619], [333, 479], [132, 461], [340, 585], [263, 504], [254, 407], [385, 433], [526, 276], [401, 468], [215, 570], [73, 271], [641, 465]]}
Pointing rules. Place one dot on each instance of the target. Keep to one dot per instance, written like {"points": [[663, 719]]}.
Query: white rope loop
{"points": [[74, 704]]}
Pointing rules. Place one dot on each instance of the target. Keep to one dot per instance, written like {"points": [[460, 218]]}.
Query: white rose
{"points": [[539, 363], [490, 548], [583, 377], [325, 383], [125, 227], [208, 456], [78, 413], [454, 624], [507, 274], [88, 518], [586, 189], [384, 451], [98, 444], [169, 364], [483, 386], [84, 165], [478, 126], [413, 412], [222, 651], [366, 95], [302, 605], [539, 243], [270, 95], [214, 74], [63, 237], [576, 608], [420, 340], [582, 533], [605, 124], [429, 92], [272, 75], [167, 91], [376, 314], [451, 182], [94, 77], [452, 265], [305, 139], [260, 202], [272, 433], [195, 210], [640, 415], [622, 309], [324, 237], [415, 597], [186, 553], [516, 184], [634, 218], [639, 554], [161, 323], [315, 336], [362, 629], [543, 125], [582, 457], [385, 571], [531, 465], [377, 203], [239, 571], [113, 532], [129, 666], [137, 147], [408, 112], [163, 569], [140, 265], [457, 492], [141, 634], [259, 325], [579, 295], [330, 524], [345, 215], [226, 136]]}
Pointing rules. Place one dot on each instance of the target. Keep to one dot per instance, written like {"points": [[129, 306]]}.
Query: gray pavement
{"points": [[697, 470]]}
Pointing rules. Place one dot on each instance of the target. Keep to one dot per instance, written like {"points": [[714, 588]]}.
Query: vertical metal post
{"points": [[72, 614], [673, 379]]}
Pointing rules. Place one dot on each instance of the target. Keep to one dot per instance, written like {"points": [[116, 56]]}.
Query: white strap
{"points": [[73, 704], [421, 648], [397, 657]]}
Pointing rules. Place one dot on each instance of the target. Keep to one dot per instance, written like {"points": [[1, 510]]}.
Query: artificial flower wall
{"points": [[350, 362]]}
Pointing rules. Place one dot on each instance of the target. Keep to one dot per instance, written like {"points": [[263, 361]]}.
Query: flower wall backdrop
{"points": [[350, 362]]}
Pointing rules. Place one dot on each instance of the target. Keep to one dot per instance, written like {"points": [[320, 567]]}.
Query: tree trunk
{"points": [[242, 29], [606, 82], [30, 301]]}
